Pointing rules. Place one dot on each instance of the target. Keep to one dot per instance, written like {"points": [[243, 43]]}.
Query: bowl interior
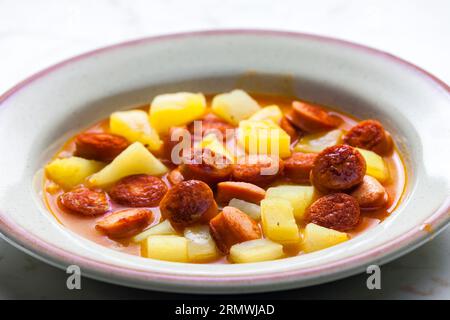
{"points": [[51, 107]]}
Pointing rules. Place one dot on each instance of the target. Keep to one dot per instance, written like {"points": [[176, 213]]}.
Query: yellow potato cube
{"points": [[176, 109], [212, 143], [134, 125], [234, 106], [272, 112], [201, 246], [251, 209], [264, 137], [300, 197], [166, 247], [256, 251], [278, 221], [376, 167], [136, 159], [69, 172], [163, 228], [317, 238], [316, 142]]}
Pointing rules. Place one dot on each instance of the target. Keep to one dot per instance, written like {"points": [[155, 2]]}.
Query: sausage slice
{"points": [[187, 203], [139, 190], [232, 226], [298, 167], [311, 118], [207, 166], [99, 146], [339, 167], [175, 176], [212, 124], [370, 194], [240, 190], [85, 201], [337, 211], [260, 170], [125, 223], [370, 135], [289, 129]]}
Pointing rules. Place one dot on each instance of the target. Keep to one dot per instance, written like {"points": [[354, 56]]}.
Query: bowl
{"points": [[37, 115]]}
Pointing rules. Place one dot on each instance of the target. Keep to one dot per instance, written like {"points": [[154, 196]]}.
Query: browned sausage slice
{"points": [[175, 177], [125, 223], [337, 211], [207, 166], [240, 190], [233, 226], [187, 203], [289, 129], [211, 124], [298, 167], [85, 201], [260, 170], [370, 135], [311, 118], [99, 146], [139, 191], [370, 194], [339, 167]]}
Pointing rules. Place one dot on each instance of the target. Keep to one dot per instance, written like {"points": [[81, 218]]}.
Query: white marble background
{"points": [[37, 33]]}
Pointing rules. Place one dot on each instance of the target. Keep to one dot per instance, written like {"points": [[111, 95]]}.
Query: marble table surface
{"points": [[36, 34]]}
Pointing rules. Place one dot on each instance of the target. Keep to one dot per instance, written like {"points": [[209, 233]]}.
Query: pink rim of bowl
{"points": [[49, 253]]}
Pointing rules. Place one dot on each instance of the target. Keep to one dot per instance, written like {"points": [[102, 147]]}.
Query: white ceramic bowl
{"points": [[41, 112]]}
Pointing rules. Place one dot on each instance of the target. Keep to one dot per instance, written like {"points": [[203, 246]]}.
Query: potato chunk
{"points": [[134, 125], [316, 238], [272, 112], [234, 106], [201, 246], [69, 172], [300, 197], [316, 142], [166, 247], [136, 159], [176, 109], [212, 143], [251, 209], [376, 167], [255, 251], [162, 228], [278, 221], [264, 137]]}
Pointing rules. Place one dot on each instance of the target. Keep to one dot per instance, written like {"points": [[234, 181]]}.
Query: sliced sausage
{"points": [[297, 168], [232, 226], [175, 176], [261, 170], [139, 190], [337, 211], [339, 167], [99, 146], [311, 118], [240, 190], [370, 135], [211, 124], [207, 166], [125, 223], [187, 203], [85, 201], [370, 194], [289, 129]]}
